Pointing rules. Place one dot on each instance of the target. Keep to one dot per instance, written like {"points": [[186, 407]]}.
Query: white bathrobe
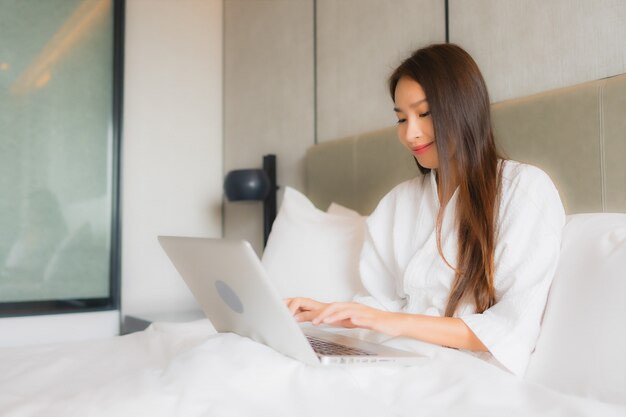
{"points": [[402, 270]]}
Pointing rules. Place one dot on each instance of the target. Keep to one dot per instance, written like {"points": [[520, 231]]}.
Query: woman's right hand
{"points": [[304, 309]]}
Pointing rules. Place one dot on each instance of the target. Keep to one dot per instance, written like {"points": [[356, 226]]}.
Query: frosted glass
{"points": [[56, 72]]}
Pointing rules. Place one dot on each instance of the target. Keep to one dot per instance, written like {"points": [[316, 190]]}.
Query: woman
{"points": [[464, 255]]}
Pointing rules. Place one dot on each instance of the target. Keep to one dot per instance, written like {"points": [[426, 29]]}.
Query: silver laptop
{"points": [[232, 288]]}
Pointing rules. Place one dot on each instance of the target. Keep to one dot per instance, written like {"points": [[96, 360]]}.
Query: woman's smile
{"points": [[421, 149]]}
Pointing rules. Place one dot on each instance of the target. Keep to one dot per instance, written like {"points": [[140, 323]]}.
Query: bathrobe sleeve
{"points": [[529, 237], [377, 267]]}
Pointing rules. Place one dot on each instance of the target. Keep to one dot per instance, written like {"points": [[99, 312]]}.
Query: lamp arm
{"points": [[269, 204]]}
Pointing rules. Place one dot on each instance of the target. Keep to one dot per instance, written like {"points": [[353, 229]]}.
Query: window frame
{"points": [[112, 302]]}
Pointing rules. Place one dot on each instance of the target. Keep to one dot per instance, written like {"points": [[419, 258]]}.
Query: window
{"points": [[60, 95]]}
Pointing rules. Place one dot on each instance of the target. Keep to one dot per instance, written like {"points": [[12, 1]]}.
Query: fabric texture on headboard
{"points": [[357, 171], [576, 134]]}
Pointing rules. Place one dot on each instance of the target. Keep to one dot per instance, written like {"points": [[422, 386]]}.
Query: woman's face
{"points": [[415, 124]]}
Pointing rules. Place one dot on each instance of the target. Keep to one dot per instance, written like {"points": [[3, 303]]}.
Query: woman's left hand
{"points": [[353, 315]]}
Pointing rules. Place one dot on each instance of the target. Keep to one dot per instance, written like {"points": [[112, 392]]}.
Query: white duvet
{"points": [[189, 370]]}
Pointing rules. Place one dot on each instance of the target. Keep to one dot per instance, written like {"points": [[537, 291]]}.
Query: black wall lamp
{"points": [[255, 185]]}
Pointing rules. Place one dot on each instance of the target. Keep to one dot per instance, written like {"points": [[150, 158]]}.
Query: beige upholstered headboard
{"points": [[576, 134]]}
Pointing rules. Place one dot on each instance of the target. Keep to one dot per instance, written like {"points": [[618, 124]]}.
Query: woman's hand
{"points": [[352, 315], [349, 315], [304, 309], [445, 331]]}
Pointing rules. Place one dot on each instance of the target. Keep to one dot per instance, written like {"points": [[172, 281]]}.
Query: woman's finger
{"points": [[355, 314], [329, 310], [322, 314], [298, 303], [340, 315], [305, 315], [292, 305]]}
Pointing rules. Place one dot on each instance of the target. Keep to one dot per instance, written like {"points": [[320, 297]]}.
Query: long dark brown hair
{"points": [[459, 105]]}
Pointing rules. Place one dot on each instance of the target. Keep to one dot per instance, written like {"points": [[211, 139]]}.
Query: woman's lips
{"points": [[418, 150]]}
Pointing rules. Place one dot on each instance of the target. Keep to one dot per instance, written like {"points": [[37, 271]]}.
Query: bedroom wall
{"points": [[359, 43], [172, 143], [525, 47], [277, 51], [268, 97], [333, 57]]}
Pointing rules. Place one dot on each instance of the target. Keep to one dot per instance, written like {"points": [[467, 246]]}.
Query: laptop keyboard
{"points": [[324, 347]]}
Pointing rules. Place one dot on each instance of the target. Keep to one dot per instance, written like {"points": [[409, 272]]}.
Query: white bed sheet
{"points": [[189, 370]]}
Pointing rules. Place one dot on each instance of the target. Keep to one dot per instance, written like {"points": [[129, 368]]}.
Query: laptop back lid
{"points": [[232, 288]]}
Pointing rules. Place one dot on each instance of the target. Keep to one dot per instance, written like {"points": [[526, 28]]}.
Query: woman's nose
{"points": [[413, 130]]}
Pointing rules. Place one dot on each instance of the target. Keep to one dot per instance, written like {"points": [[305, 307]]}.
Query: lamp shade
{"points": [[247, 184]]}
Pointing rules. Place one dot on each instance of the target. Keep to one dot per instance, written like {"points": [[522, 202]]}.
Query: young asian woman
{"points": [[463, 255]]}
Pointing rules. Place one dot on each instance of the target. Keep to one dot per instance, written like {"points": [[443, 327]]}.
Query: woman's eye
{"points": [[401, 121], [425, 114]]}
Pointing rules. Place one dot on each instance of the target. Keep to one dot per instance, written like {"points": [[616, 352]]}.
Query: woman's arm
{"points": [[445, 331]]}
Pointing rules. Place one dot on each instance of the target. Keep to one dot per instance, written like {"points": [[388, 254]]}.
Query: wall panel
{"points": [[359, 43], [268, 97], [525, 47], [172, 169]]}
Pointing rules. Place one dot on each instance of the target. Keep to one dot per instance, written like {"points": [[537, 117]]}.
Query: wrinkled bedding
{"points": [[188, 369]]}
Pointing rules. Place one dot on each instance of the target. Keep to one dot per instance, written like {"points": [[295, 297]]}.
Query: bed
{"points": [[577, 135]]}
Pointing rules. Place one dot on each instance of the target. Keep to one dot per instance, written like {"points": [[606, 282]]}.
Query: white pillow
{"points": [[340, 210], [314, 254], [583, 335]]}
